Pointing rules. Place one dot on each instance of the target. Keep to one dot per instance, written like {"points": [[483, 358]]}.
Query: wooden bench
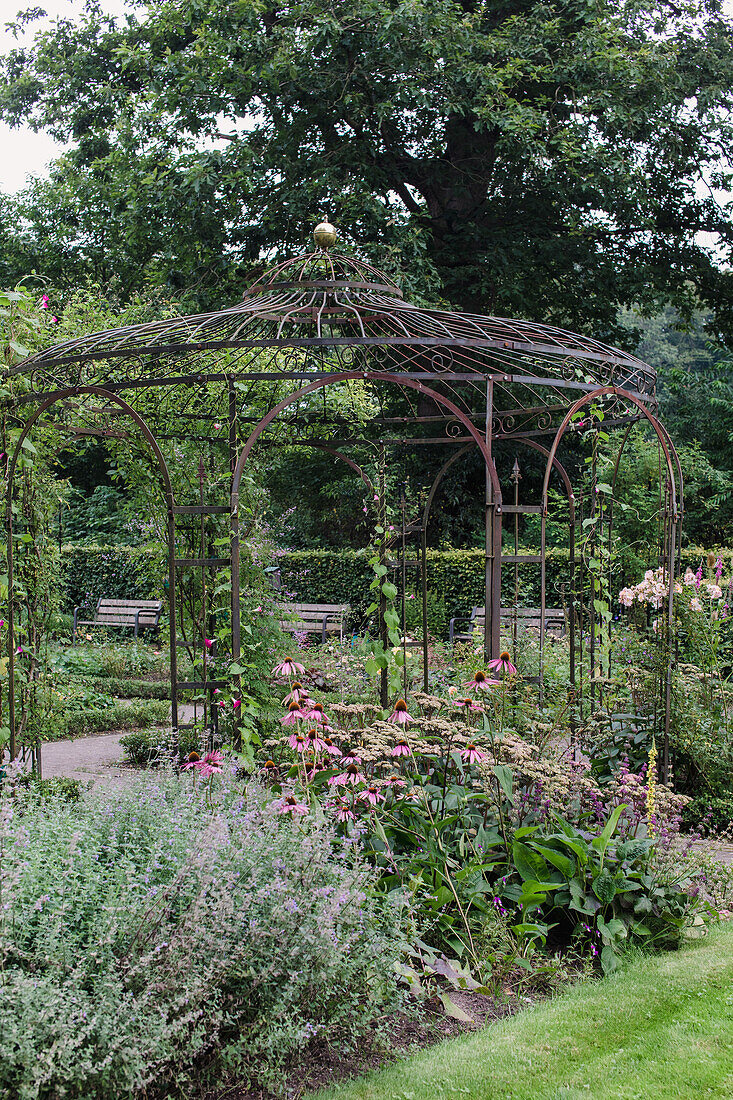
{"points": [[315, 618], [139, 614], [527, 618]]}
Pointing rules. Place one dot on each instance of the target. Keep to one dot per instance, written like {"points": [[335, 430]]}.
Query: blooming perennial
{"points": [[288, 668], [503, 663], [399, 715], [481, 682]]}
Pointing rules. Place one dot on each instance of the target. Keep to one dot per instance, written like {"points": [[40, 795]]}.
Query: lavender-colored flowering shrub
{"points": [[147, 941]]}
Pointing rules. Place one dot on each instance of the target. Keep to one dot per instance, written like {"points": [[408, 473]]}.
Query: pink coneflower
{"points": [[372, 795], [399, 715], [192, 760], [503, 663], [343, 810], [348, 756], [294, 715], [209, 643], [350, 775], [290, 805], [467, 704], [297, 742], [480, 682], [332, 749], [288, 668], [269, 767], [296, 694], [316, 713], [313, 737], [401, 749], [472, 755], [211, 763]]}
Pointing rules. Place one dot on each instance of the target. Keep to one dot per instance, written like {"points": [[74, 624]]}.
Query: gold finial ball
{"points": [[325, 235]]}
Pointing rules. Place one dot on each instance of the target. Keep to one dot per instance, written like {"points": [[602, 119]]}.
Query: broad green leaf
{"points": [[531, 865]]}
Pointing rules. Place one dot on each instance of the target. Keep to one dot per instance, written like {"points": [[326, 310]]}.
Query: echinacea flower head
{"points": [[211, 764], [316, 713], [372, 795], [349, 777], [480, 682], [399, 715], [472, 755], [269, 767], [331, 748], [288, 668], [467, 704], [293, 716], [343, 810], [192, 760], [348, 756], [298, 742], [401, 748], [297, 693], [313, 737], [503, 663], [290, 805]]}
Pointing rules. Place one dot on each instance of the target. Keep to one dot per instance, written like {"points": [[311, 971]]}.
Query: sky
{"points": [[22, 152]]}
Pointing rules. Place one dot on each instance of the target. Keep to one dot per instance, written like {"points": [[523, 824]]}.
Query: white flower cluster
{"points": [[652, 590], [655, 587]]}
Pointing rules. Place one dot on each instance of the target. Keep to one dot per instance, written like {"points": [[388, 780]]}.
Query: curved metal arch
{"points": [[557, 465], [367, 376], [341, 376], [63, 395], [670, 536], [604, 391]]}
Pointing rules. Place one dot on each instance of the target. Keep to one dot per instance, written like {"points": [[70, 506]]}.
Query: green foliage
{"points": [[515, 161], [59, 787], [150, 747], [154, 938], [118, 572]]}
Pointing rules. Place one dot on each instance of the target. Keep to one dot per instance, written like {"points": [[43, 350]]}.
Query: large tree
{"points": [[547, 159]]}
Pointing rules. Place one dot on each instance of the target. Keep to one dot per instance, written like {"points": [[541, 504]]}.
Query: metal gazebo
{"points": [[469, 384]]}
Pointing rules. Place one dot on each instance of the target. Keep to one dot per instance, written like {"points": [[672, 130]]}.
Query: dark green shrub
{"points": [[57, 786], [150, 747]]}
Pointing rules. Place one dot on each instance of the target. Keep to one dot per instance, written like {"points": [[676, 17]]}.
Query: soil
{"points": [[322, 1064]]}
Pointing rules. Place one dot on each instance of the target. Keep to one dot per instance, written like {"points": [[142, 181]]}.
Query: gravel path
{"points": [[87, 758]]}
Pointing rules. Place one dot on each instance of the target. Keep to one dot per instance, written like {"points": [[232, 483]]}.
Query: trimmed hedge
{"points": [[117, 572], [327, 576]]}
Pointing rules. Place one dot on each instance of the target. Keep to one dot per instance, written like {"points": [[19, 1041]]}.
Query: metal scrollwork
{"points": [[442, 360]]}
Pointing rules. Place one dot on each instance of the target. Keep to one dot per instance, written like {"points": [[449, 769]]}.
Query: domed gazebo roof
{"points": [[329, 311]]}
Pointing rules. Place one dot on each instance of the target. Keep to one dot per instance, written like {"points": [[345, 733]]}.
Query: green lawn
{"points": [[661, 1029]]}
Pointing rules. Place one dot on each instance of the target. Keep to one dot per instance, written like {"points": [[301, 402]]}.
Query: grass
{"points": [[661, 1028]]}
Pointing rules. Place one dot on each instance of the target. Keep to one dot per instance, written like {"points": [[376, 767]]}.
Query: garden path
{"points": [[96, 759]]}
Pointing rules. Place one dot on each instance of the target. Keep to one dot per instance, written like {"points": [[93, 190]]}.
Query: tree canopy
{"points": [[512, 156]]}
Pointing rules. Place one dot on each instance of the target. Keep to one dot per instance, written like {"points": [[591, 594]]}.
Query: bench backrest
{"points": [[526, 616], [314, 612], [122, 612]]}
